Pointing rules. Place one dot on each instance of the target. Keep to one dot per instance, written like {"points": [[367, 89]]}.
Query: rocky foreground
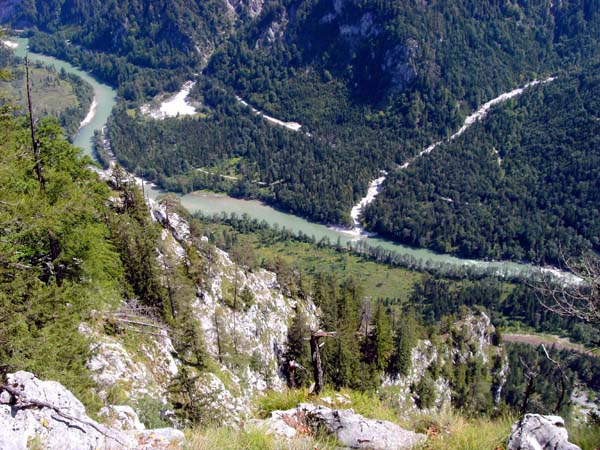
{"points": [[45, 413], [351, 430]]}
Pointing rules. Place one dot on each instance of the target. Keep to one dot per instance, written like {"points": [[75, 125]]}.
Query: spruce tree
{"points": [[405, 338], [298, 350], [382, 337]]}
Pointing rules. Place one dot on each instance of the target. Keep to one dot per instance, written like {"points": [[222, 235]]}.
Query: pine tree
{"points": [[405, 339], [342, 353], [56, 259], [298, 350], [382, 337]]}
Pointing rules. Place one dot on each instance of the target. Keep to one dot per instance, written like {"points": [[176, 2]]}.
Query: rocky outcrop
{"points": [[121, 417], [473, 336], [145, 370], [350, 429], [470, 339], [250, 7], [423, 356], [274, 32], [245, 334], [399, 63], [45, 413], [219, 403], [535, 432]]}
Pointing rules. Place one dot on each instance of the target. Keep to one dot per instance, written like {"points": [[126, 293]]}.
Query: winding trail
{"points": [[375, 186], [548, 340]]}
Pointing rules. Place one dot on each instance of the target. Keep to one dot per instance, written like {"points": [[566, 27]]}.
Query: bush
{"points": [[148, 409]]}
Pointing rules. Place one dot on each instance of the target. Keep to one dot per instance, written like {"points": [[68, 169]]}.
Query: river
{"points": [[105, 96], [209, 203]]}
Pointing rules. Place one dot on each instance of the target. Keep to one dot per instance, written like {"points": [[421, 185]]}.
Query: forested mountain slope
{"points": [[135, 305], [56, 259], [372, 83], [141, 46], [522, 184], [159, 33]]}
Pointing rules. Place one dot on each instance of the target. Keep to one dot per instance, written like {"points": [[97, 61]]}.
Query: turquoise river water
{"points": [[214, 203]]}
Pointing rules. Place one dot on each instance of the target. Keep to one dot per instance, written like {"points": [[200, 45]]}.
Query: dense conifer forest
{"points": [[371, 83], [522, 184]]}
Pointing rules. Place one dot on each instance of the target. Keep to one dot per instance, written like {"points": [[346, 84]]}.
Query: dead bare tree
{"points": [[34, 141], [579, 297], [563, 380], [531, 374], [292, 366], [315, 350]]}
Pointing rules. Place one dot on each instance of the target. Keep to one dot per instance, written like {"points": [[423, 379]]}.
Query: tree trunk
{"points": [[316, 363], [34, 142]]}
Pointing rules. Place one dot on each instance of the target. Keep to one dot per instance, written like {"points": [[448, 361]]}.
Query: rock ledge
{"points": [[535, 432]]}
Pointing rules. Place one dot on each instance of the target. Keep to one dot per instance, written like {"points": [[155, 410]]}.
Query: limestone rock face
{"points": [[27, 419], [146, 372], [474, 341], [256, 330], [30, 423], [536, 432], [351, 430], [122, 417], [251, 7]]}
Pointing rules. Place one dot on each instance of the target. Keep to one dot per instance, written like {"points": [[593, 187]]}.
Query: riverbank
{"points": [[104, 95], [175, 106], [212, 203]]}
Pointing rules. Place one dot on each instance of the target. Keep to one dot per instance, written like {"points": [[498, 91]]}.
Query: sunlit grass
{"points": [[453, 432], [252, 438]]}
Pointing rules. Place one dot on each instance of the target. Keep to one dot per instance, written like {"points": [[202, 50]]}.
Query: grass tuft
{"points": [[453, 432], [274, 401]]}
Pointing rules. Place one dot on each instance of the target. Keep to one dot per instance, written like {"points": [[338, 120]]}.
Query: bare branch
{"points": [[531, 374], [29, 403], [34, 141], [563, 379], [580, 300]]}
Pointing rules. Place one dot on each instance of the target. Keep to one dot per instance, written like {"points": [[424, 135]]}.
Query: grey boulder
{"points": [[351, 430], [46, 414], [535, 432]]}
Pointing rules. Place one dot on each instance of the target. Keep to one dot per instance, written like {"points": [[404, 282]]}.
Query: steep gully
{"points": [[376, 185], [105, 99]]}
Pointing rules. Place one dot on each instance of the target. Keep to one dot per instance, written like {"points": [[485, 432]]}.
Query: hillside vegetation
{"points": [[143, 47], [522, 184], [59, 94], [372, 83], [76, 252]]}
